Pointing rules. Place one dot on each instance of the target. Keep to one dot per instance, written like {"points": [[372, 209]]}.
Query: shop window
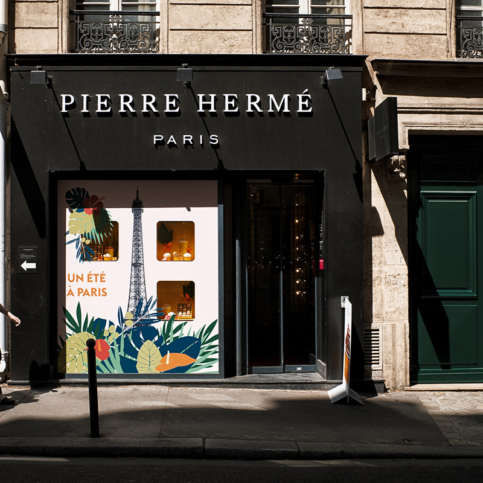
{"points": [[108, 250], [308, 26], [178, 298], [175, 241]]}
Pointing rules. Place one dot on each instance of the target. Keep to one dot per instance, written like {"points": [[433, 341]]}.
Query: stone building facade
{"points": [[414, 52]]}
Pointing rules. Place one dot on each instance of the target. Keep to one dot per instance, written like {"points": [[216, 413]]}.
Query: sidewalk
{"points": [[154, 421]]}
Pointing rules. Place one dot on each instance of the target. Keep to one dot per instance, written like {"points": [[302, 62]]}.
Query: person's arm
{"points": [[4, 311]]}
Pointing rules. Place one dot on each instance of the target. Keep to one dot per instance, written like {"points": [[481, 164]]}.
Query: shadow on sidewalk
{"points": [[153, 412], [22, 396]]}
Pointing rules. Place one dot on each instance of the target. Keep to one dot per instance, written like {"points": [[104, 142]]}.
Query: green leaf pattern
{"points": [[148, 358], [73, 356]]}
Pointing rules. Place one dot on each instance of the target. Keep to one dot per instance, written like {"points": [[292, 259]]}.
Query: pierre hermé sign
{"points": [[171, 104], [237, 117]]}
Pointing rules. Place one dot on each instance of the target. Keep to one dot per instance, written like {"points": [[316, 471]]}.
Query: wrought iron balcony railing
{"points": [[470, 36], [101, 31], [308, 34]]}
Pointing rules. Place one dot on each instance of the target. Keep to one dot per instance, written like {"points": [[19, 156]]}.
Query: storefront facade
{"points": [[197, 229]]}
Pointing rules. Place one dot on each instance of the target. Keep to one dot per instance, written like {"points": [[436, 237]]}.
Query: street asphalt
{"points": [[159, 421]]}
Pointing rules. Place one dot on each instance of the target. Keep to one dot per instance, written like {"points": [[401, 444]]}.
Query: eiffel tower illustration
{"points": [[137, 287]]}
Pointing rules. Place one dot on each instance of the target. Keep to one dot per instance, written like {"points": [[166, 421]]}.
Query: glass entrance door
{"points": [[281, 277]]}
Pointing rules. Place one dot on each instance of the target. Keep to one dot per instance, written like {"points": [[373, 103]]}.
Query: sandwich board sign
{"points": [[344, 391]]}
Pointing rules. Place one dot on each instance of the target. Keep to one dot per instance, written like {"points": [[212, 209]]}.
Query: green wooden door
{"points": [[446, 263]]}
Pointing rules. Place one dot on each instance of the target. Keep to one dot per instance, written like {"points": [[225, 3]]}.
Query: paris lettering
{"points": [[86, 291], [185, 139]]}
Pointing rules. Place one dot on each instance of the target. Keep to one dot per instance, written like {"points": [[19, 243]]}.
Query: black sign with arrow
{"points": [[27, 259]]}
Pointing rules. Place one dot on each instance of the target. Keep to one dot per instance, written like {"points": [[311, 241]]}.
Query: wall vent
{"points": [[372, 346]]}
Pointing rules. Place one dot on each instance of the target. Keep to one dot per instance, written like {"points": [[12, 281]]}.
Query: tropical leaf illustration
{"points": [[148, 358], [80, 223], [89, 221], [78, 324], [102, 227], [208, 355], [112, 365], [173, 361], [83, 252], [136, 345], [73, 356], [75, 197]]}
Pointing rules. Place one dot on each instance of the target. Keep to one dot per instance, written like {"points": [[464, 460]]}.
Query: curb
{"points": [[196, 448]]}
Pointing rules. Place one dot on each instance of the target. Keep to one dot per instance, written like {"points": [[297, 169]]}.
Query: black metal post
{"points": [[93, 405], [238, 282]]}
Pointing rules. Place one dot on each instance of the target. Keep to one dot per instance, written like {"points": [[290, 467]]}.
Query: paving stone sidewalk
{"points": [[232, 423], [459, 415]]}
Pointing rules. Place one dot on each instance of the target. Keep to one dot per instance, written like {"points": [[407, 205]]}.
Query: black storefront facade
{"points": [[196, 229]]}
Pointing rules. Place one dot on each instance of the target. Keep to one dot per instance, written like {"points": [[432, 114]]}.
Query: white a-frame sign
{"points": [[344, 391]]}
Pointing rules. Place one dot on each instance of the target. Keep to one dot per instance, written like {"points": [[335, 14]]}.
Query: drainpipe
{"points": [[3, 156]]}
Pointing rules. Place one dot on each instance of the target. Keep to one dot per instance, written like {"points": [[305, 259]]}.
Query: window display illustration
{"points": [[176, 241], [137, 287], [97, 235], [134, 331]]}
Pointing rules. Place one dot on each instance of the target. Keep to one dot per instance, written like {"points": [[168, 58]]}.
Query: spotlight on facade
{"points": [[331, 74], [185, 74], [39, 76]]}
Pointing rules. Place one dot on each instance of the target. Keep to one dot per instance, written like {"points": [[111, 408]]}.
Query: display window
{"points": [[147, 316], [176, 241], [176, 299]]}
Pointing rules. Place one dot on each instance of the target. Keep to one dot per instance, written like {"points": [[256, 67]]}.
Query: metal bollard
{"points": [[93, 405]]}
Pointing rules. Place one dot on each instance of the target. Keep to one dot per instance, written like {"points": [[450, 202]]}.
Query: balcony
{"points": [[108, 32], [308, 34], [469, 37]]}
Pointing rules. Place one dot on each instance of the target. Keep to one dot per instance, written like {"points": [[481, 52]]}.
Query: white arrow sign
{"points": [[25, 265]]}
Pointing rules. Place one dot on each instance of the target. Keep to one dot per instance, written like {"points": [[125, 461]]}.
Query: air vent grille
{"points": [[372, 346]]}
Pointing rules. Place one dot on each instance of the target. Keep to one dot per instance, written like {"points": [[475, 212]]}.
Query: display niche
{"points": [[175, 241], [178, 298], [108, 249]]}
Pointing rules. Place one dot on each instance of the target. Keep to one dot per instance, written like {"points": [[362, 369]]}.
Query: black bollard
{"points": [[93, 405]]}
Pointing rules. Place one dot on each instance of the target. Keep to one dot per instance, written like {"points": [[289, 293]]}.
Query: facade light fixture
{"points": [[331, 74], [185, 74], [39, 76]]}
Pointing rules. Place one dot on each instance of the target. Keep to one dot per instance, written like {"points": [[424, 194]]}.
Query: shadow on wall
{"points": [[28, 184], [385, 245]]}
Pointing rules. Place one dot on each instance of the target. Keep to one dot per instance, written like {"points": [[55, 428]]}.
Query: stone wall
{"points": [[212, 27], [34, 26], [415, 29], [186, 26], [386, 267], [382, 28]]}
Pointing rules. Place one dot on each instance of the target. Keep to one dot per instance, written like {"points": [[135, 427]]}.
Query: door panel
{"points": [[281, 271], [446, 266], [298, 275], [448, 333], [264, 276], [448, 241]]}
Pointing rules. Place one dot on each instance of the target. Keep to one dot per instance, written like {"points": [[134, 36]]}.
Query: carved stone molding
{"points": [[396, 168]]}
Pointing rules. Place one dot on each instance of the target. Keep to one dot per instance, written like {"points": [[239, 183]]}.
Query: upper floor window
{"points": [[469, 28], [116, 26], [308, 26]]}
